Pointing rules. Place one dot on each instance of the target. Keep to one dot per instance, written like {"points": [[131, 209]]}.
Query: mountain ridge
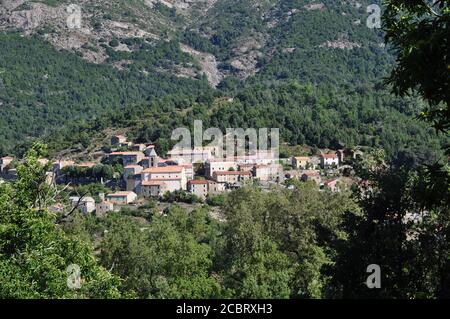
{"points": [[312, 68]]}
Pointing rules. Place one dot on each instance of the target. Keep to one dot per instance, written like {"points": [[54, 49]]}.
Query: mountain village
{"points": [[143, 174]]}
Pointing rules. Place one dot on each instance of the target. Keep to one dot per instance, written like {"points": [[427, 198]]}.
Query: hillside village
{"points": [[135, 173]]}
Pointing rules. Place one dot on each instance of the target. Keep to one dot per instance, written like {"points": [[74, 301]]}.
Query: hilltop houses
{"points": [[311, 176], [300, 162], [231, 178], [4, 163], [219, 165], [128, 158], [173, 177], [201, 171], [122, 198], [85, 204], [199, 188]]}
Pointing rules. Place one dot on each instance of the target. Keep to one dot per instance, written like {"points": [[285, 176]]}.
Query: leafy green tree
{"points": [[168, 258], [35, 252], [284, 236], [403, 229], [418, 30]]}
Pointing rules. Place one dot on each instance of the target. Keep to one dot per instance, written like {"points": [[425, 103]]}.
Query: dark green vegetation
{"points": [[422, 44], [406, 220], [35, 253], [42, 89]]}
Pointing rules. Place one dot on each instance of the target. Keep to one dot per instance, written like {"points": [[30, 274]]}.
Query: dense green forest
{"points": [[317, 95], [42, 89]]}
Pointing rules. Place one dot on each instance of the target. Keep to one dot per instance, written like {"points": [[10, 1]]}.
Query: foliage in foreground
{"points": [[35, 253]]}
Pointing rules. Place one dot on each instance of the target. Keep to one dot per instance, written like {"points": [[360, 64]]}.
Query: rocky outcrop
{"points": [[314, 6], [342, 44], [208, 64]]}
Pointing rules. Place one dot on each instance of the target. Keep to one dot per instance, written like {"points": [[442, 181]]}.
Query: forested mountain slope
{"points": [[312, 68]]}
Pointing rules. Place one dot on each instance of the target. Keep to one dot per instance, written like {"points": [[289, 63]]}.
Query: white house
{"points": [[103, 208], [219, 165], [300, 162], [4, 162], [329, 160], [85, 204]]}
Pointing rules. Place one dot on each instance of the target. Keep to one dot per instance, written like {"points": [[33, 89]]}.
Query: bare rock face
{"points": [[208, 64], [178, 4], [105, 20], [36, 16], [246, 55], [246, 64], [11, 4], [314, 6], [342, 43]]}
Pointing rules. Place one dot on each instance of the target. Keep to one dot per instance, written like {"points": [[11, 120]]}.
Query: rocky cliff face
{"points": [[83, 25], [241, 32]]}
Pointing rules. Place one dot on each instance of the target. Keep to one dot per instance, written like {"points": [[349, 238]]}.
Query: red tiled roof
{"points": [[199, 182], [311, 173], [329, 156], [331, 181], [164, 169], [166, 179]]}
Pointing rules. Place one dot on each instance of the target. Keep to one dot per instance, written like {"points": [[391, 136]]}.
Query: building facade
{"points": [[121, 198]]}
